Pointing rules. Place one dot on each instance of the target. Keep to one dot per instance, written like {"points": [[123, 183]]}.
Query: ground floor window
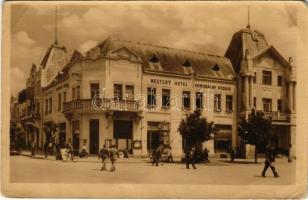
{"points": [[223, 138]]}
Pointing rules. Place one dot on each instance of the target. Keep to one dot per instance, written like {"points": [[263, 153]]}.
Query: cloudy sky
{"points": [[199, 26]]}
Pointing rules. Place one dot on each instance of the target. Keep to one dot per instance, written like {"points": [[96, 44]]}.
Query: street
{"points": [[140, 171]]}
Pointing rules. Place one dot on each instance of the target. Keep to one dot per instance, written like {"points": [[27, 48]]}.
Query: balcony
{"points": [[277, 116], [87, 105]]}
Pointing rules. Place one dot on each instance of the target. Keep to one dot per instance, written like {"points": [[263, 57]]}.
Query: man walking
{"points": [[190, 157], [103, 154], [269, 162], [113, 153], [156, 156]]}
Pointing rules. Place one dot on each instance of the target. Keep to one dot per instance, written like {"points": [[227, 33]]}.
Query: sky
{"points": [[199, 26]]}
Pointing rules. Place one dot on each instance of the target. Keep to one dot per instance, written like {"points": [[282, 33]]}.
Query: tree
{"points": [[50, 128], [256, 130], [195, 130]]}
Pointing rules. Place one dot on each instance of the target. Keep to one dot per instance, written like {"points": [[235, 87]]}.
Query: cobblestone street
{"points": [[140, 171]]}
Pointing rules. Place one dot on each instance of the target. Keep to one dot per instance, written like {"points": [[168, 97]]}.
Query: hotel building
{"points": [[134, 95]]}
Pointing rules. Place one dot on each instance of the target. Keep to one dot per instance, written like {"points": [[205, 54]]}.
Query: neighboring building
{"points": [[266, 81], [134, 95]]}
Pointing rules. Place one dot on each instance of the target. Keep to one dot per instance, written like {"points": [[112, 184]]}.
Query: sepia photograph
{"points": [[124, 99]]}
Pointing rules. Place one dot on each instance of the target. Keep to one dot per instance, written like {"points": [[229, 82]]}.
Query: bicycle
{"points": [[69, 156]]}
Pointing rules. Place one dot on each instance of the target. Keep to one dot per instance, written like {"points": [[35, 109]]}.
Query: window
{"points": [[50, 105], [78, 92], [279, 80], [59, 102], [46, 106], [266, 77], [117, 91], [151, 97], [166, 98], [279, 105], [129, 92], [255, 102], [94, 89], [229, 103], [73, 94], [199, 100], [186, 99], [267, 104], [255, 78], [64, 97], [217, 102]]}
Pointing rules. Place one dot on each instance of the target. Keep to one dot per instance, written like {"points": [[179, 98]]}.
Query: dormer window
{"points": [[187, 64], [216, 68], [154, 59]]}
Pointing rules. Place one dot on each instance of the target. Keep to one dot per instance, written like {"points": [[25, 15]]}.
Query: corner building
{"points": [[134, 95]]}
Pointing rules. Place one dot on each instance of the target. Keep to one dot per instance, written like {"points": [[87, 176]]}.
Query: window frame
{"points": [[217, 103], [229, 101], [187, 98], [267, 77]]}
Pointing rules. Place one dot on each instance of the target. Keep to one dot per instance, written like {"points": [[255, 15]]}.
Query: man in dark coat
{"points": [[269, 162], [113, 154], [190, 157], [156, 155], [103, 154]]}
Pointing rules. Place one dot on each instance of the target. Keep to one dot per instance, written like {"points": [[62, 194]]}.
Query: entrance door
{"points": [[123, 134], [153, 139], [94, 136]]}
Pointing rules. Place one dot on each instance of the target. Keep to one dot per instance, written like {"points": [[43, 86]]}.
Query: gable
{"points": [[124, 53]]}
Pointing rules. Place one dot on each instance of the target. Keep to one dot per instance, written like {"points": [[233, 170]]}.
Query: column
{"points": [[290, 96], [250, 91], [246, 93], [294, 97]]}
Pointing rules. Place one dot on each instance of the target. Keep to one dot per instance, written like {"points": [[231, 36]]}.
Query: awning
{"points": [[223, 135]]}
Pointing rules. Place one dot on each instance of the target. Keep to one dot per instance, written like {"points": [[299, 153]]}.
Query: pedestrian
{"points": [[46, 149], [170, 158], [269, 162], [190, 157], [69, 149], [104, 155], [232, 154], [113, 153], [32, 148], [156, 155]]}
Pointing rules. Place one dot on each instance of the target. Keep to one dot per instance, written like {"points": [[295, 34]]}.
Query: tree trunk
{"points": [[256, 154]]}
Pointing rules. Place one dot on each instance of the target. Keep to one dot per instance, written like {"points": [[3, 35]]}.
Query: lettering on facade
{"points": [[213, 87]]}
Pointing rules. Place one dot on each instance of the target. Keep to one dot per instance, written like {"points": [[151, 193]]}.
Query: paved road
{"points": [[140, 171]]}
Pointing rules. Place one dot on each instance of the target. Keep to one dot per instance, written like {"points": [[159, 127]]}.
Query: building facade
{"points": [[134, 95]]}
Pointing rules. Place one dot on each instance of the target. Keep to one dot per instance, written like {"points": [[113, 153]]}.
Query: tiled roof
{"points": [[170, 60]]}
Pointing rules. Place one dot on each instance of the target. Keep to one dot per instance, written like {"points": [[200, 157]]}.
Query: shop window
{"points": [[266, 77], [279, 80], [279, 105], [73, 94], [50, 105], [186, 100], [217, 102], [94, 89], [267, 104], [255, 102], [59, 102], [129, 92], [166, 98], [229, 103], [78, 92], [255, 78], [199, 100], [117, 91], [151, 97]]}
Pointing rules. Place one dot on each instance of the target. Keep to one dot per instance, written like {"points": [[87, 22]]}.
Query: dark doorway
{"points": [[94, 136], [153, 139], [123, 134]]}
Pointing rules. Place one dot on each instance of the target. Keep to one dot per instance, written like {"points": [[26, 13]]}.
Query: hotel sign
{"points": [[185, 84]]}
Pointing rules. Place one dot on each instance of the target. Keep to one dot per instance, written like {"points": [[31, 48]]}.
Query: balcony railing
{"points": [[277, 116], [100, 105]]}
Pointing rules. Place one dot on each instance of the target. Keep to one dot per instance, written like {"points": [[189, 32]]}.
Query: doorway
{"points": [[94, 136], [123, 134], [153, 139]]}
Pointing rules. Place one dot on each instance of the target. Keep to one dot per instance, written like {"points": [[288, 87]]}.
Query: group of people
{"points": [[159, 152], [111, 154]]}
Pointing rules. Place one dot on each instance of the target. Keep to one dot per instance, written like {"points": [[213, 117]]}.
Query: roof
{"points": [[48, 53], [169, 60], [252, 40]]}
